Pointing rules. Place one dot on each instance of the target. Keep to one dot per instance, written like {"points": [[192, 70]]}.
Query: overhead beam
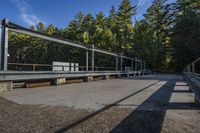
{"points": [[105, 52], [42, 36]]}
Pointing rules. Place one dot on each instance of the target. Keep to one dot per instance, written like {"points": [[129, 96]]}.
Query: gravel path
{"points": [[164, 105]]}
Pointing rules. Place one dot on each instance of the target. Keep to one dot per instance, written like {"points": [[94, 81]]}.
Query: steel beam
{"points": [[188, 68], [135, 64], [24, 75], [193, 67], [86, 59], [18, 29], [92, 57], [132, 65], [4, 45], [121, 58], [46, 37], [144, 68], [104, 52], [116, 63]]}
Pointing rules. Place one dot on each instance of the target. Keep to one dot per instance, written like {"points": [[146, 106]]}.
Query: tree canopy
{"points": [[167, 38]]}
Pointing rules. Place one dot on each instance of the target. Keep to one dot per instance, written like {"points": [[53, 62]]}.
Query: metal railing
{"points": [[9, 26], [190, 68], [193, 80], [48, 67]]}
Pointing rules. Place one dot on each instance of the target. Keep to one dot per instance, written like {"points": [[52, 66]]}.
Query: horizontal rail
{"points": [[48, 65], [193, 80], [105, 52], [19, 29], [195, 61], [47, 37], [33, 75], [9, 26]]}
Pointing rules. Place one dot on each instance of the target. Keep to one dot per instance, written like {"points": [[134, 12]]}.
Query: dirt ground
{"points": [[167, 109]]}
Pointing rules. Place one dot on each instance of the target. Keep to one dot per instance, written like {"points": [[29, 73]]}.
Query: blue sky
{"points": [[59, 12]]}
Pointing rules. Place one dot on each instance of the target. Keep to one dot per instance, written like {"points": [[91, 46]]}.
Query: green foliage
{"points": [[144, 44], [167, 37], [186, 33], [157, 17]]}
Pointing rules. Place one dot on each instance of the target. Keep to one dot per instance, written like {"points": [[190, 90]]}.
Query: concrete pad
{"points": [[93, 95]]}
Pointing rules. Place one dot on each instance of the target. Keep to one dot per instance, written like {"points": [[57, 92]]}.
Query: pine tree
{"points": [[144, 45], [124, 26], [186, 33], [157, 17]]}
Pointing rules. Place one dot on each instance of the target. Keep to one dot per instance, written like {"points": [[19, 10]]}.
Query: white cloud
{"points": [[142, 2], [25, 13]]}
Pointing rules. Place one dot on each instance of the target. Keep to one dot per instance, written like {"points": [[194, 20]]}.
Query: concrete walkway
{"points": [[154, 104], [95, 95]]}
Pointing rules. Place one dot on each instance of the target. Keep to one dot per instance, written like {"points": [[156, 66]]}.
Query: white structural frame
{"points": [[7, 26]]}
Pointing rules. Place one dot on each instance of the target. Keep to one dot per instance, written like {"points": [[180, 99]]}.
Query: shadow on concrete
{"points": [[155, 77], [182, 91], [101, 110], [182, 105], [149, 116]]}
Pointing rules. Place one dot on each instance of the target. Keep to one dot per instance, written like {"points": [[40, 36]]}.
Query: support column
{"points": [[4, 45], [193, 67], [86, 59], [59, 81], [121, 55], [141, 68], [144, 68], [6, 86], [197, 101], [106, 77], [118, 76], [135, 66], [188, 68], [116, 63], [132, 64], [87, 79], [92, 57]]}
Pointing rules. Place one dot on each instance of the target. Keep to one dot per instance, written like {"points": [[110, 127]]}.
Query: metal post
{"points": [[121, 62], [141, 68], [135, 64], [86, 59], [92, 57], [116, 63], [144, 67], [188, 68], [193, 67], [33, 67], [4, 45], [132, 64]]}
